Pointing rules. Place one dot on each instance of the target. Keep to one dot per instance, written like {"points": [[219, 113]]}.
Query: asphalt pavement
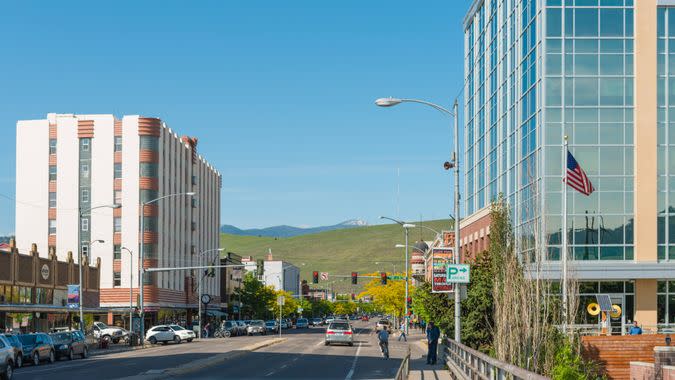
{"points": [[301, 355]]}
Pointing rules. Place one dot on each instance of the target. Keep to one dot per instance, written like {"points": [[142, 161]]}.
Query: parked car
{"points": [[161, 333], [272, 326], [18, 349], [37, 347], [230, 327], [382, 324], [112, 333], [365, 318], [183, 333], [289, 322], [339, 332], [6, 359], [242, 327], [316, 321], [256, 327], [302, 323], [68, 344]]}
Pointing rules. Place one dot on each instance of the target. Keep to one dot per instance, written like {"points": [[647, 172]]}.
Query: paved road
{"points": [[305, 356], [301, 356]]}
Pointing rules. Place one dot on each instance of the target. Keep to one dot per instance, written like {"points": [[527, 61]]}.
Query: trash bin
{"points": [[133, 339], [103, 342]]}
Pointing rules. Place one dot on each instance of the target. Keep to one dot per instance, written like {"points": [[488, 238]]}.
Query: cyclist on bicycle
{"points": [[383, 338]]}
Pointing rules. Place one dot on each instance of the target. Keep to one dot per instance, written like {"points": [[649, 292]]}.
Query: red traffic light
{"points": [[315, 277], [355, 278], [383, 278]]}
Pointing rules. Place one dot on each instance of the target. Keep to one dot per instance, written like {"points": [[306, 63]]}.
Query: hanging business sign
{"points": [[73, 296], [440, 257]]}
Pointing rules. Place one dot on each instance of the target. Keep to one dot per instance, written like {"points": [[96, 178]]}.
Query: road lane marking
{"points": [[356, 358]]}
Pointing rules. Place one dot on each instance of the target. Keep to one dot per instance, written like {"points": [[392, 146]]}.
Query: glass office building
{"points": [[599, 72]]}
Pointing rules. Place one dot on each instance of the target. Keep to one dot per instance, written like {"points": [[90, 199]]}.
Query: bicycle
{"points": [[384, 347]]}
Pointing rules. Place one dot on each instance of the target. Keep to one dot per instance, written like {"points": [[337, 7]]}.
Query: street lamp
{"points": [[201, 277], [406, 227], [452, 164], [82, 213], [393, 264], [131, 285], [141, 258]]}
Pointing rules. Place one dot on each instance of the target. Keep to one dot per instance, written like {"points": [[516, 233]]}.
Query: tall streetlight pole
{"points": [[131, 285], [141, 258], [81, 214], [453, 164], [201, 277], [406, 227]]}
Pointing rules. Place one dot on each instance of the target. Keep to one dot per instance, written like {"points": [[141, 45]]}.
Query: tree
{"points": [[255, 297], [389, 298], [478, 307], [322, 308], [290, 306], [342, 308]]}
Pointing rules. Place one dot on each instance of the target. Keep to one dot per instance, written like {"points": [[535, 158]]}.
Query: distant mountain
{"points": [[289, 231]]}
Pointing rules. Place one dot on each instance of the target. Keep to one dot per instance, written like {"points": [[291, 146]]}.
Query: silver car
{"points": [[6, 359], [339, 332], [256, 327]]}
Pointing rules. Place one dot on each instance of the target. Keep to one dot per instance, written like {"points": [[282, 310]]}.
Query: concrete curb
{"points": [[217, 359]]}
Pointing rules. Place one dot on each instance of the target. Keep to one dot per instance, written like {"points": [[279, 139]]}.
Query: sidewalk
{"points": [[419, 370]]}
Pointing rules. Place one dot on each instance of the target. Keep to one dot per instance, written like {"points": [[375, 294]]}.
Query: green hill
{"points": [[339, 251]]}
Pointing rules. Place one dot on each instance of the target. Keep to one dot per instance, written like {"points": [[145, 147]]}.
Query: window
{"points": [[149, 143], [194, 179], [84, 170], [118, 143], [84, 145], [117, 278], [52, 146], [117, 226], [52, 226], [118, 170], [149, 169], [118, 197], [52, 172], [85, 196], [194, 226], [85, 224], [117, 252], [52, 199], [194, 203]]}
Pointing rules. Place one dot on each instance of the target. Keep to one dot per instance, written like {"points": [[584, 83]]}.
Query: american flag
{"points": [[576, 178]]}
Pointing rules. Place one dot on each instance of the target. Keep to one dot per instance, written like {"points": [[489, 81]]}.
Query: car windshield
{"points": [[60, 337], [176, 327], [270, 323], [27, 339], [384, 322], [338, 326], [302, 320], [101, 325]]}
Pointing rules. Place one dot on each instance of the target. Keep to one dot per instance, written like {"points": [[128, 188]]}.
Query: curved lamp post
{"points": [[141, 258], [452, 164]]}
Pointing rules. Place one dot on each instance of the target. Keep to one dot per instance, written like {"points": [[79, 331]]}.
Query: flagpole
{"points": [[564, 235]]}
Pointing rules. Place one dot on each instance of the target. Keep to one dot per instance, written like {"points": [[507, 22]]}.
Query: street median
{"points": [[201, 364]]}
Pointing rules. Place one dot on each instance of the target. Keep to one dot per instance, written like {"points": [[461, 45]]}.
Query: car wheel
{"points": [[52, 357], [152, 340], [85, 352], [18, 361], [351, 344], [9, 371], [71, 355], [189, 340], [176, 339], [326, 343], [36, 358]]}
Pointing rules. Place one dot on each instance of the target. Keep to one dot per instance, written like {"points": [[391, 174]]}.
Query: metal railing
{"points": [[404, 369], [467, 363]]}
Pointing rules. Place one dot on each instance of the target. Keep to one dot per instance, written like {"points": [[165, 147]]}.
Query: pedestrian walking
{"points": [[207, 329], [433, 333], [402, 333]]}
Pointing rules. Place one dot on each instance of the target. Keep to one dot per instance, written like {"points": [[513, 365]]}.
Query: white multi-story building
{"points": [[68, 162], [281, 275]]}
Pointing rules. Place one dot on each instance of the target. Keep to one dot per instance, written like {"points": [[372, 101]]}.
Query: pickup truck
{"points": [[115, 334]]}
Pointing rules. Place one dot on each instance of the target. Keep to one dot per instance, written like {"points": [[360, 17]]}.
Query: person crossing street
{"points": [[405, 338]]}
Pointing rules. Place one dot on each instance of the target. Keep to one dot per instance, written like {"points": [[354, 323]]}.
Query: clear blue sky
{"points": [[279, 93]]}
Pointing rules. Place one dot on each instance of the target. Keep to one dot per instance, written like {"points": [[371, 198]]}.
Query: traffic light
{"points": [[353, 297], [409, 301], [315, 277], [355, 278], [383, 278], [260, 267]]}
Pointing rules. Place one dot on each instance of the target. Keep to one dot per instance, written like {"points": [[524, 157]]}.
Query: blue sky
{"points": [[280, 95]]}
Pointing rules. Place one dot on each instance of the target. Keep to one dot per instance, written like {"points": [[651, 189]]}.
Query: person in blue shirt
{"points": [[635, 330], [433, 333]]}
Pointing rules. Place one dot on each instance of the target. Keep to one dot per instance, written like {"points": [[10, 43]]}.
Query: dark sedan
{"points": [[37, 347], [18, 349], [68, 344]]}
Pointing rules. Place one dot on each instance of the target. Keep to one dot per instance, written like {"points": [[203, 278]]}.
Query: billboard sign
{"points": [[440, 258], [73, 296]]}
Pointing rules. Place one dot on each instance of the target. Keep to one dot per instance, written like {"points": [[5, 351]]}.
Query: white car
{"points": [[161, 333], [183, 333], [6, 359], [112, 333]]}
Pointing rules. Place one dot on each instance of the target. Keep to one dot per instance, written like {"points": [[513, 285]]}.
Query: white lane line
{"points": [[356, 358]]}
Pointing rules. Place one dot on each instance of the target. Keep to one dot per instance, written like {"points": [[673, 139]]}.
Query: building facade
{"points": [[68, 162], [598, 72], [281, 275]]}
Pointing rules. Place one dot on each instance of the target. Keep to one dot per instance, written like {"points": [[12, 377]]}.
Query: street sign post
{"points": [[281, 300], [440, 258], [458, 273], [324, 276]]}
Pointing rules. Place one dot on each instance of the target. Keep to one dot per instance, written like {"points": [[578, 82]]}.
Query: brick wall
{"points": [[615, 353]]}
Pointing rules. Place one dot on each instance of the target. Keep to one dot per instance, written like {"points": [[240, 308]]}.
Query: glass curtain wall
{"points": [[588, 69]]}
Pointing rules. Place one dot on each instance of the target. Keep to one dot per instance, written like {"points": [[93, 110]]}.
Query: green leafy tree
{"points": [[255, 297], [478, 307], [322, 308]]}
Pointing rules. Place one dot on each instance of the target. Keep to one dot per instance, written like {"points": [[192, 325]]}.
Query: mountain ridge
{"points": [[283, 231]]}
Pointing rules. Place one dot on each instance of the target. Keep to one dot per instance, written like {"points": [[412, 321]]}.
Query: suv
{"points": [[18, 349], [37, 347], [161, 333], [68, 344], [339, 332], [383, 324], [103, 331], [6, 359], [256, 327]]}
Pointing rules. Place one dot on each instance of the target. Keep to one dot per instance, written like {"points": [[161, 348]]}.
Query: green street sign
{"points": [[458, 273], [396, 277]]}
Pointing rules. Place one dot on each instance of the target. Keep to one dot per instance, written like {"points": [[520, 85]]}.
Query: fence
{"points": [[467, 363], [404, 369]]}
